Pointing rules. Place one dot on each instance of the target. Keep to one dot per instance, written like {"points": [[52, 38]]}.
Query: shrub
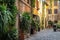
{"points": [[25, 21], [8, 30]]}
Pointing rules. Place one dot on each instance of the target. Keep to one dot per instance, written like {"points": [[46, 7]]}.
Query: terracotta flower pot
{"points": [[21, 35]]}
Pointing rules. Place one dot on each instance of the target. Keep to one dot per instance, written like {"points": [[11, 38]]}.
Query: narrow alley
{"points": [[47, 34], [29, 19]]}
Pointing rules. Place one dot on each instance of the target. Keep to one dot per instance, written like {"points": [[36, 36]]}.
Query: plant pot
{"points": [[54, 30], [32, 31], [21, 35], [38, 29]]}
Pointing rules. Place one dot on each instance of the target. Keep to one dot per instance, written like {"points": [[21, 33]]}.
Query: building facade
{"points": [[23, 5], [52, 10], [36, 13], [43, 13]]}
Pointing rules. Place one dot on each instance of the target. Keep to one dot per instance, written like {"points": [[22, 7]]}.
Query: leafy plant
{"points": [[33, 24], [50, 23], [37, 24], [58, 24], [33, 3], [25, 21], [8, 30]]}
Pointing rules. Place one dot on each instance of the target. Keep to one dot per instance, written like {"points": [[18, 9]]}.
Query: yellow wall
{"points": [[52, 16], [53, 7], [35, 11]]}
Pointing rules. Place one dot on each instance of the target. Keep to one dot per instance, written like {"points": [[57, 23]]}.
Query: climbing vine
{"points": [[50, 3], [7, 20], [33, 3]]}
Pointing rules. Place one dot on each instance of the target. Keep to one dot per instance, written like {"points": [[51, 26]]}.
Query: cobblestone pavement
{"points": [[46, 34]]}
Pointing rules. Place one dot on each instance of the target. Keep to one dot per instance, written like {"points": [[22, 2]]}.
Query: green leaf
{"points": [[25, 21]]}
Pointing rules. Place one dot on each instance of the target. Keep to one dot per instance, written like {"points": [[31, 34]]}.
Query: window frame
{"points": [[55, 3], [49, 11], [55, 11]]}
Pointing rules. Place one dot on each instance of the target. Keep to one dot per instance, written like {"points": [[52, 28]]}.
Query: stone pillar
{"points": [[17, 24]]}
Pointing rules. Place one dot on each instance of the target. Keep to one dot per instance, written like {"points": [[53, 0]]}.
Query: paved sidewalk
{"points": [[46, 34]]}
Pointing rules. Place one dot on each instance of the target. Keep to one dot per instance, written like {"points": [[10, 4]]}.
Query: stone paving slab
{"points": [[46, 34]]}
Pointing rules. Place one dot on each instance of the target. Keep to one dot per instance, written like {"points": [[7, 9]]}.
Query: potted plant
{"points": [[37, 25], [24, 23], [50, 23], [55, 26], [58, 25], [33, 26], [37, 22]]}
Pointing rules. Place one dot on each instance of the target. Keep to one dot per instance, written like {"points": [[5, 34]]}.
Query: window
{"points": [[55, 3], [28, 1], [55, 11], [49, 11]]}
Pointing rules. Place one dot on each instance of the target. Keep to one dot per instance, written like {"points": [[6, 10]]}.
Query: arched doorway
{"points": [[50, 23]]}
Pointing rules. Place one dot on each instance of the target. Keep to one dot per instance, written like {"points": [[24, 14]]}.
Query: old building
{"points": [[52, 10], [23, 5], [36, 15], [43, 13]]}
